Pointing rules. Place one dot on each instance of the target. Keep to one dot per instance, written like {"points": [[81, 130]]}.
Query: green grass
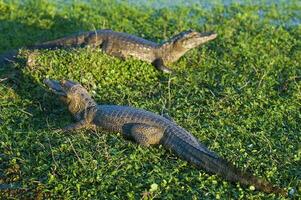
{"points": [[240, 95]]}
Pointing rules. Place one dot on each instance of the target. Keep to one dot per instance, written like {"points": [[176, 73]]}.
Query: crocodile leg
{"points": [[107, 46], [143, 134], [93, 40], [159, 64], [118, 55], [76, 126]]}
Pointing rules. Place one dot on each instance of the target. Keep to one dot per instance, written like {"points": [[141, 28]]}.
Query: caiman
{"points": [[147, 128], [124, 45]]}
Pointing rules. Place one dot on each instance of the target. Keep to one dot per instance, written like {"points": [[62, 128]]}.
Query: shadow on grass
{"points": [[18, 35], [20, 147]]}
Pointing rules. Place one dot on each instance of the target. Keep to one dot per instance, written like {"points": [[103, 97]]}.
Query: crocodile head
{"points": [[178, 45], [73, 94], [191, 39]]}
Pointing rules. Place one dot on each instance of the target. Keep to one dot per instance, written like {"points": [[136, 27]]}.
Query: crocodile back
{"points": [[114, 117], [126, 38], [125, 45]]}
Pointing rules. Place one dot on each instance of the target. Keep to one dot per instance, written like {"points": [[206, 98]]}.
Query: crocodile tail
{"points": [[233, 174], [203, 158], [263, 185], [8, 56], [65, 42]]}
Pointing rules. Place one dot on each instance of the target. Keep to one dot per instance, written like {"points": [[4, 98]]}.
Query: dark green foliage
{"points": [[240, 95]]}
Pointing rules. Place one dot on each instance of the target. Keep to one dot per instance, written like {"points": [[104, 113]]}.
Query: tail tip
{"points": [[277, 190]]}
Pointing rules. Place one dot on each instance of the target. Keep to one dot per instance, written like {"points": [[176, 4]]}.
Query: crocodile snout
{"points": [[55, 86]]}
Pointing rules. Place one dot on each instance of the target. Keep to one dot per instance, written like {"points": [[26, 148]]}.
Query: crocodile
{"points": [[124, 45], [147, 128]]}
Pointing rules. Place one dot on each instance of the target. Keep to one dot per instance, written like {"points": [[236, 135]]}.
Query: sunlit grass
{"points": [[239, 95]]}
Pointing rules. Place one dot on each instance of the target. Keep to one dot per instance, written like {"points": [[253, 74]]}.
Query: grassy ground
{"points": [[240, 95]]}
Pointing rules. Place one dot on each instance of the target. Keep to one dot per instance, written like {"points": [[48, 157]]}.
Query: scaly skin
{"points": [[147, 128], [124, 45]]}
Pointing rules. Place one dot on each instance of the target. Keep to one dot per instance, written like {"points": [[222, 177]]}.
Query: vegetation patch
{"points": [[239, 95]]}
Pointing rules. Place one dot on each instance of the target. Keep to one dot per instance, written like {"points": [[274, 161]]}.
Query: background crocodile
{"points": [[124, 45], [147, 128]]}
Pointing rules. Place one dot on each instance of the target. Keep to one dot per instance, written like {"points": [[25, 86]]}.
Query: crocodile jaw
{"points": [[61, 88], [72, 94], [195, 39], [56, 87]]}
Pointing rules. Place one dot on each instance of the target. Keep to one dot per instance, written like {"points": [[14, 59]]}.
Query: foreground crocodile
{"points": [[124, 45], [147, 129]]}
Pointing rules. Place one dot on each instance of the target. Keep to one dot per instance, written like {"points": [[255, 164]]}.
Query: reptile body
{"points": [[124, 45], [147, 128]]}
